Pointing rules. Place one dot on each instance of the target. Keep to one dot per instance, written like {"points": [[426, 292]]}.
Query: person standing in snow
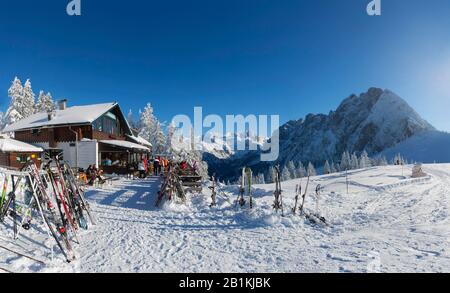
{"points": [[156, 166], [144, 160], [141, 169]]}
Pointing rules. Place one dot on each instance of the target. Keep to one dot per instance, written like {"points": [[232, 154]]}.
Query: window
{"points": [[22, 158], [108, 123]]}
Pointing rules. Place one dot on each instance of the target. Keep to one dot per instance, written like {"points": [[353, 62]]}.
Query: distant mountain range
{"points": [[378, 121]]}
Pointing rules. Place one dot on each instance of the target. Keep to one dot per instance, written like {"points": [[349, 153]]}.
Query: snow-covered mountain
{"points": [[373, 121], [426, 147]]}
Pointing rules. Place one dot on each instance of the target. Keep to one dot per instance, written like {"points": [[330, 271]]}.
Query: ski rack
{"points": [[35, 200], [172, 185], [56, 197]]}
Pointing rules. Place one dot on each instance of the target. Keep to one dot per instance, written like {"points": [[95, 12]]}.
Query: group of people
{"points": [[156, 166], [153, 166], [93, 173]]}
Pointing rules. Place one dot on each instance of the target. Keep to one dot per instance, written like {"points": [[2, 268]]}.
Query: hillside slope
{"points": [[388, 222]]}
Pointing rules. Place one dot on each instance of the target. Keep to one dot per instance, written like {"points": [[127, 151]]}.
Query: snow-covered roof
{"points": [[138, 139], [12, 145], [71, 115], [125, 144]]}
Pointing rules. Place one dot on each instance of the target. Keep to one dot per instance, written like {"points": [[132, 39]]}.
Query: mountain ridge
{"points": [[374, 121]]}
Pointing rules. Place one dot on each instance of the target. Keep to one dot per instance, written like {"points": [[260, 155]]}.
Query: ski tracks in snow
{"points": [[387, 222]]}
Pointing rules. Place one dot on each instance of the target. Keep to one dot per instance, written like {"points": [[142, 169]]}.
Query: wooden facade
{"points": [[65, 133], [16, 160], [111, 125]]}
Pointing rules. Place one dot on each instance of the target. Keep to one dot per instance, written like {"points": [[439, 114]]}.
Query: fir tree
{"points": [[261, 178], [15, 92], [130, 120], [326, 168], [311, 170], [151, 130], [364, 160], [333, 167], [285, 174], [28, 100], [300, 171], [172, 140], [354, 162], [291, 168], [271, 175], [44, 103], [345, 161]]}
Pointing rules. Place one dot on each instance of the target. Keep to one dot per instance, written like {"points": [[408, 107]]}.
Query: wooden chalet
{"points": [[14, 154], [86, 135]]}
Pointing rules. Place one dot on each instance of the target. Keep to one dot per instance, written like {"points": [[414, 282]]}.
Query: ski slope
{"points": [[387, 222]]}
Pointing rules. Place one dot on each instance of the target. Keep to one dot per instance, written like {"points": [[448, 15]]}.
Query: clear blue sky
{"points": [[235, 56]]}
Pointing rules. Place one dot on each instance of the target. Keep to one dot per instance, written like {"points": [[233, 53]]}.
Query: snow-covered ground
{"points": [[387, 222]]}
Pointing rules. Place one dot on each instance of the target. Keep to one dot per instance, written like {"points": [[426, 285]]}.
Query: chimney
{"points": [[62, 104]]}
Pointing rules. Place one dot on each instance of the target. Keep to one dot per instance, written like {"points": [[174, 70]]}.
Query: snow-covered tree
{"points": [[271, 175], [364, 160], [28, 100], [291, 168], [171, 139], [382, 161], [354, 162], [311, 170], [261, 178], [345, 161], [333, 167], [285, 174], [2, 125], [326, 168], [15, 92], [300, 171], [398, 160], [151, 130], [44, 103]]}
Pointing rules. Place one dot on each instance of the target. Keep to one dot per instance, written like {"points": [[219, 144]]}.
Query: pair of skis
{"points": [[313, 218], [278, 202], [245, 188], [213, 191]]}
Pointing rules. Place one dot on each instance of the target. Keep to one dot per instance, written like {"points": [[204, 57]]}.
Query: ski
{"points": [[6, 270], [22, 254], [316, 219], [213, 191], [3, 197], [278, 202], [249, 175], [304, 195], [241, 199], [84, 204], [298, 191]]}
